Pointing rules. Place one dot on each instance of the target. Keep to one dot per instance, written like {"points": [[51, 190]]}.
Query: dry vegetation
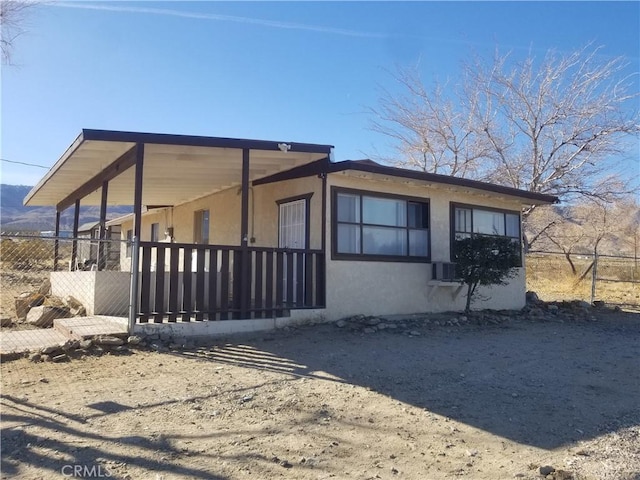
{"points": [[618, 280]]}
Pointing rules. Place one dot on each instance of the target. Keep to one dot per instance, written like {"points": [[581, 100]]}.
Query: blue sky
{"points": [[290, 71]]}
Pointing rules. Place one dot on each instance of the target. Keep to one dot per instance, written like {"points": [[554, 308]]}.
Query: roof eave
{"points": [[537, 198], [68, 152]]}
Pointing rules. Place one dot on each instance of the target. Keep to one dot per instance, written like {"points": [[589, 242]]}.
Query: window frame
{"points": [[454, 205], [368, 257]]}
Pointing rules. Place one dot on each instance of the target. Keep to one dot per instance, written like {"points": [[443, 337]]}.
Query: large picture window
{"points": [[372, 226], [468, 220]]}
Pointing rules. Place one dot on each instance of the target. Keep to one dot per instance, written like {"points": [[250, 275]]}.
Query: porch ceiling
{"points": [[177, 168]]}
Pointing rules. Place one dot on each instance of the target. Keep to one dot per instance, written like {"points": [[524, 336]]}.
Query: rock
{"points": [[109, 340], [45, 287], [59, 358], [372, 321], [341, 323], [158, 347], [553, 308], [285, 464], [563, 475], [85, 344], [532, 297], [50, 349], [134, 340], [75, 307], [246, 398], [599, 304], [43, 316], [581, 304], [414, 333], [369, 330], [71, 345], [35, 358], [26, 301], [472, 453], [546, 470], [6, 322]]}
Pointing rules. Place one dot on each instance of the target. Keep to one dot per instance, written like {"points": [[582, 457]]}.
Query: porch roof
{"points": [[177, 168]]}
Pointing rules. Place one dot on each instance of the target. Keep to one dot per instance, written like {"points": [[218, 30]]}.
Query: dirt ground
{"points": [[479, 402]]}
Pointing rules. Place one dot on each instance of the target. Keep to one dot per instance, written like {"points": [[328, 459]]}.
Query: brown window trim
{"points": [[452, 224], [335, 255]]}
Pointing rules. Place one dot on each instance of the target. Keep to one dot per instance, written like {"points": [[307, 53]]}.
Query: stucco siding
{"points": [[383, 288]]}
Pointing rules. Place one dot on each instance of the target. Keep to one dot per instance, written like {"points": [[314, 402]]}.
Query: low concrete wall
{"points": [[227, 327], [101, 293]]}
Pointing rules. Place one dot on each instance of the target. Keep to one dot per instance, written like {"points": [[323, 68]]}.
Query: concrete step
{"points": [[23, 341], [81, 328]]}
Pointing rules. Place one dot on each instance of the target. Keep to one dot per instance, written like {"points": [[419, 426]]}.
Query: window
{"points": [[468, 221], [201, 227], [128, 245], [372, 226], [155, 232]]}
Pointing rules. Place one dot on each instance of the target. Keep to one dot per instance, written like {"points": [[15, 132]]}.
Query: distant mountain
{"points": [[15, 217]]}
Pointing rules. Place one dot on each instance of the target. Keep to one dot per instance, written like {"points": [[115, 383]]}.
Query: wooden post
{"points": [[56, 243], [245, 267], [74, 245], [102, 231], [137, 195]]}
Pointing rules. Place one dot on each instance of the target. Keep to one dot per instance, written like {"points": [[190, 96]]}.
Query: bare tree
{"points": [[554, 125], [12, 18], [431, 133]]}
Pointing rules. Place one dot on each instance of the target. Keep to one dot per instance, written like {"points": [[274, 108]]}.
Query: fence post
{"points": [[594, 276], [135, 278]]}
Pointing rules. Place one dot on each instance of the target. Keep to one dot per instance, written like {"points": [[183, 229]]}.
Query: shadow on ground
{"points": [[540, 384], [544, 385]]}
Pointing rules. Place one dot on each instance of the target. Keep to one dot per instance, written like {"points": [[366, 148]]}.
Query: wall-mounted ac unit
{"points": [[444, 271]]}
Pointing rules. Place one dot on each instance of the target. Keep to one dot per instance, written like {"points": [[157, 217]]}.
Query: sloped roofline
{"points": [[324, 166]]}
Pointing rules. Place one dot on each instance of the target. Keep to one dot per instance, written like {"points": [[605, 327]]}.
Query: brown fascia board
{"points": [[325, 167], [201, 141], [318, 167]]}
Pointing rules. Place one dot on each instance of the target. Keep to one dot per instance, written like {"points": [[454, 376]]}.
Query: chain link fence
{"points": [[613, 279], [46, 278]]}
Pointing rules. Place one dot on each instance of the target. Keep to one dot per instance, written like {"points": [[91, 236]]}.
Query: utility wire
{"points": [[23, 163]]}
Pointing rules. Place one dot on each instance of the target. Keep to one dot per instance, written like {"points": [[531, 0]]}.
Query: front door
{"points": [[292, 234]]}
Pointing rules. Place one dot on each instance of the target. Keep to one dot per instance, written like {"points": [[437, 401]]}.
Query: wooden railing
{"points": [[191, 282]]}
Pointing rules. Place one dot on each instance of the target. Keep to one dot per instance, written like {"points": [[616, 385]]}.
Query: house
{"points": [[249, 229], [90, 243]]}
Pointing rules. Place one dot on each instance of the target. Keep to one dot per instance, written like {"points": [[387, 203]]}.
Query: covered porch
{"points": [[189, 279]]}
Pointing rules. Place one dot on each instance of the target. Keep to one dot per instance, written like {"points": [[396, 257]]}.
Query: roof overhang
{"points": [[372, 169], [176, 168]]}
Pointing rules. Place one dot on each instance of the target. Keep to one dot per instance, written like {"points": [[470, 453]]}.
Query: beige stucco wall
{"points": [[384, 288]]}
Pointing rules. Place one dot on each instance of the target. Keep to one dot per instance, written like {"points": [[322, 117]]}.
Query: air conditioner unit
{"points": [[444, 271]]}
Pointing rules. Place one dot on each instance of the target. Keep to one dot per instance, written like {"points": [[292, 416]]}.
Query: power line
{"points": [[23, 163]]}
